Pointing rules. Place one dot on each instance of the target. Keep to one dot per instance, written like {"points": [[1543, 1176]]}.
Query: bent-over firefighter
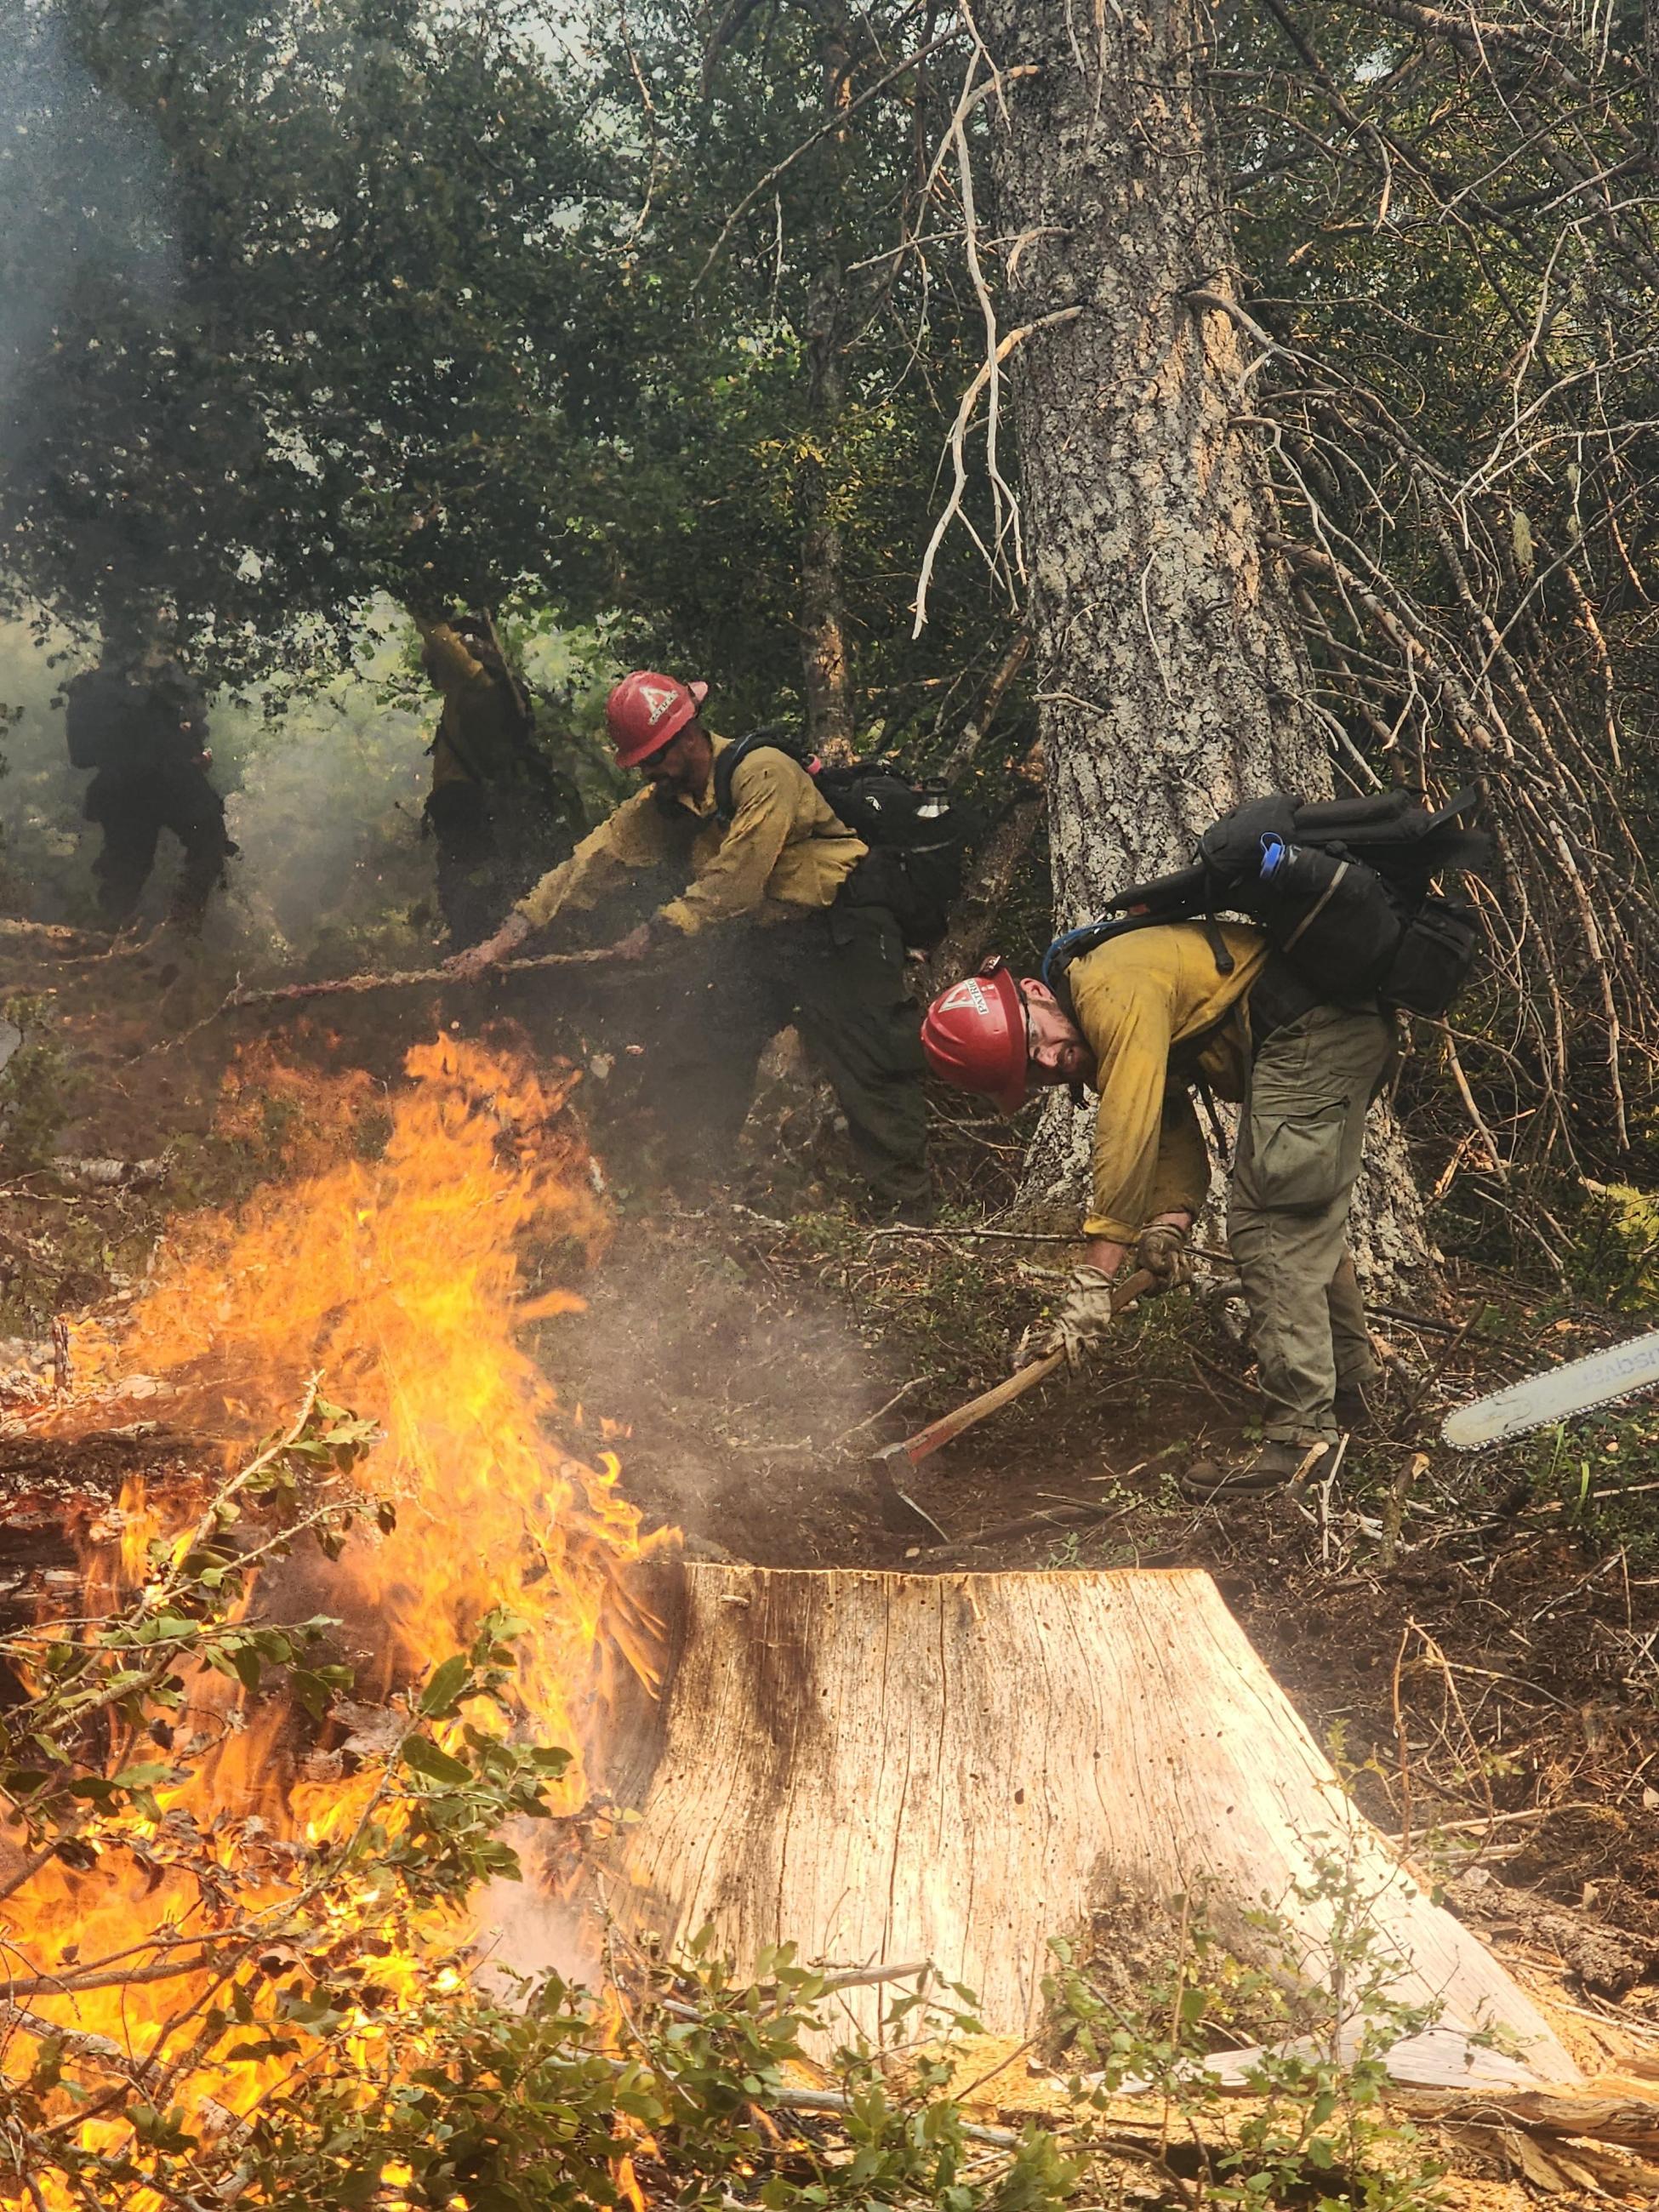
{"points": [[1142, 1020]]}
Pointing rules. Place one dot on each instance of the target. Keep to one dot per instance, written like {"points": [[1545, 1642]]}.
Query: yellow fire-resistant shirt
{"points": [[1156, 1015], [478, 736], [784, 853]]}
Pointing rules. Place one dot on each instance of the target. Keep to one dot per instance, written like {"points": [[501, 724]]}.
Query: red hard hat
{"points": [[646, 710], [974, 1035]]}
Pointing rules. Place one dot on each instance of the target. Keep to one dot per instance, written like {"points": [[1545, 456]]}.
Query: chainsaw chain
{"points": [[1573, 1414]]}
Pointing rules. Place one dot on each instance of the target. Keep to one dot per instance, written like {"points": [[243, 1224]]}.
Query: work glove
{"points": [[1164, 1250], [1081, 1324], [650, 937]]}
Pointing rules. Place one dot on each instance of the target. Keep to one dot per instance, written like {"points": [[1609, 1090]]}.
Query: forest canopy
{"points": [[708, 322]]}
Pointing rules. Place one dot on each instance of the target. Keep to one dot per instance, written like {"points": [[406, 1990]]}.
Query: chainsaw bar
{"points": [[1578, 1386]]}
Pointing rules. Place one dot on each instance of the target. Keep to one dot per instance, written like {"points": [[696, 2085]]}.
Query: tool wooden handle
{"points": [[951, 1425], [925, 1442], [281, 994]]}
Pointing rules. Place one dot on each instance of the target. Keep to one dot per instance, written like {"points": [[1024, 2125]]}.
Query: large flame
{"points": [[402, 1255], [404, 1273]]}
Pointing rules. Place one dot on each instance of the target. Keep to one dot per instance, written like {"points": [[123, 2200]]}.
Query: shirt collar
{"points": [[703, 807]]}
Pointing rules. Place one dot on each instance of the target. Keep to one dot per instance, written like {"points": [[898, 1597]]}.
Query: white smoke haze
{"points": [[324, 788], [324, 800], [88, 214], [83, 182]]}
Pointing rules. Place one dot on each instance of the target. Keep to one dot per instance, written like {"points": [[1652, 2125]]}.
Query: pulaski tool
{"points": [[892, 1460]]}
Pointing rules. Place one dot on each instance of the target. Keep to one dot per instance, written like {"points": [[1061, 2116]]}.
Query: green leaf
{"points": [[443, 1688], [145, 1775], [315, 1694], [424, 1756], [268, 2046]]}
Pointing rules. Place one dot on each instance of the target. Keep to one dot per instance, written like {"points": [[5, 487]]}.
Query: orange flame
{"points": [[405, 1274], [402, 1278]]}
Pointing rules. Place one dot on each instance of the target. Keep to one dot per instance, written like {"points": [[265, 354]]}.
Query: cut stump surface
{"points": [[884, 1767]]}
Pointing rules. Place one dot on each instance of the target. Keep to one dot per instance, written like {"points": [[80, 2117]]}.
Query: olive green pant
{"points": [[839, 977], [1301, 1136]]}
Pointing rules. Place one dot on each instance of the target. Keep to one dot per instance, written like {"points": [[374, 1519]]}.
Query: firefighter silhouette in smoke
{"points": [[139, 721], [499, 812]]}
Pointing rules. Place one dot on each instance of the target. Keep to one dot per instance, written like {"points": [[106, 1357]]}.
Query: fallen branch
{"points": [[104, 1174], [1628, 2121], [53, 933], [1502, 1819], [1053, 1516], [1590, 1497]]}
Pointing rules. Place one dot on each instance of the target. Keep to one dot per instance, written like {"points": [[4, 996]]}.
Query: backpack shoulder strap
{"points": [[1187, 895], [1076, 944], [726, 764]]}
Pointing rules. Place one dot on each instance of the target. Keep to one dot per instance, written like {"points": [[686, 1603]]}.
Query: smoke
{"points": [[87, 250], [525, 1932], [325, 799], [83, 184], [324, 786], [325, 802]]}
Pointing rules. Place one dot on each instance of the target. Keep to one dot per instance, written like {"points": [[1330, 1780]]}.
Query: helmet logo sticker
{"points": [[659, 698], [971, 994]]}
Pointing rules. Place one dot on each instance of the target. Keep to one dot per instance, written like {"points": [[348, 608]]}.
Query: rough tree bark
{"points": [[885, 1768], [1171, 676], [1002, 853]]}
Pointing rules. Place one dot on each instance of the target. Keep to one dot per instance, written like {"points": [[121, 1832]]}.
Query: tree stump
{"points": [[887, 1767]]}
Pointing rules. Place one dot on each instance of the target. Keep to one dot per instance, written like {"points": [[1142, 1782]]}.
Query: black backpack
{"points": [[95, 706], [146, 720], [1343, 887], [914, 866]]}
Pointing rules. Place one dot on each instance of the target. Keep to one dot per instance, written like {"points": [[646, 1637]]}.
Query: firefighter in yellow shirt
{"points": [[495, 808], [800, 939], [1144, 1017]]}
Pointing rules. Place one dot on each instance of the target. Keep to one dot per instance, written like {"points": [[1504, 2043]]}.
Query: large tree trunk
{"points": [[883, 1768], [1171, 674]]}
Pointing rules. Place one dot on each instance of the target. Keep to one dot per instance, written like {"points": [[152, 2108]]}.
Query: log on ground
{"points": [[886, 1766]]}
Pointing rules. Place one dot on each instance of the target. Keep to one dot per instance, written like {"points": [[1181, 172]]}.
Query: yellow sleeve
{"points": [[1127, 1023], [1181, 1178], [636, 836], [734, 879], [453, 668]]}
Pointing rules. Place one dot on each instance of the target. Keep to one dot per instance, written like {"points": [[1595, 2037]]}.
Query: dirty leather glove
{"points": [[1163, 1249], [1083, 1319]]}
